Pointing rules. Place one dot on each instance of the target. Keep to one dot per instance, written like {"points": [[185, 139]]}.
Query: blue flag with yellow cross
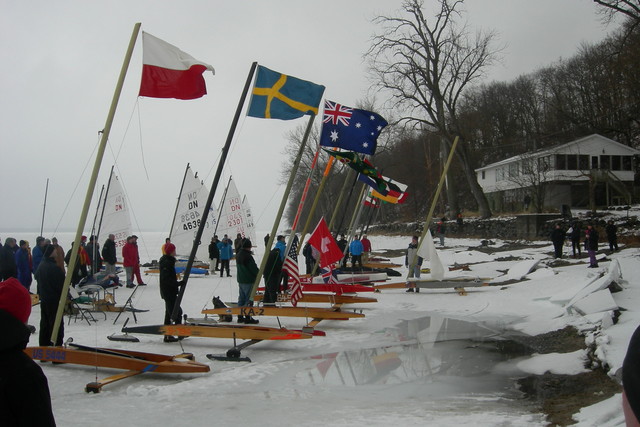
{"points": [[278, 96]]}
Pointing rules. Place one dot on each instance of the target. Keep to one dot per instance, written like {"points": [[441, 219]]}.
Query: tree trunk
{"points": [[483, 205]]}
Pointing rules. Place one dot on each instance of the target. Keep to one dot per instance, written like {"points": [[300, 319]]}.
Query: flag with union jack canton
{"points": [[328, 276], [350, 128], [291, 267]]}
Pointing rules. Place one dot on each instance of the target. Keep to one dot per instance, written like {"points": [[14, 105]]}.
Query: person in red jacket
{"points": [[366, 247], [131, 261]]}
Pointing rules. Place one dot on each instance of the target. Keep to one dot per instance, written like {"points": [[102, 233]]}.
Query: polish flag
{"points": [[168, 72]]}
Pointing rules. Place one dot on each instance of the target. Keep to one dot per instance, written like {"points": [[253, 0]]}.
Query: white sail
{"points": [[429, 253], [249, 216], [116, 218], [233, 219], [191, 203]]}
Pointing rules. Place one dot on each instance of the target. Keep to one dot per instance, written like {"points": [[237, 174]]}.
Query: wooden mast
{"points": [[92, 181], [212, 192]]}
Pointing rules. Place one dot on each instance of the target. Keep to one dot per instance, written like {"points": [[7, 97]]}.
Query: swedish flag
{"points": [[278, 96]]}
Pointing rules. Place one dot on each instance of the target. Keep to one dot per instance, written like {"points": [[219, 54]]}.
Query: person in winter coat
{"points": [[366, 248], [93, 251], [441, 228], [557, 238], [410, 259], [214, 255], [309, 261], [80, 270], [612, 235], [226, 253], [24, 262], [272, 273], [591, 245], [109, 254], [169, 287], [37, 252], [50, 283], [281, 246], [576, 231], [131, 261], [237, 243], [356, 249], [8, 267], [342, 244], [247, 274], [25, 399]]}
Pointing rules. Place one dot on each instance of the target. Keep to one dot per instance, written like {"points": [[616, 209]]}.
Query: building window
{"points": [[594, 162], [513, 170], [483, 175], [499, 174], [616, 163], [572, 162], [627, 161], [605, 162], [561, 162], [583, 162]]}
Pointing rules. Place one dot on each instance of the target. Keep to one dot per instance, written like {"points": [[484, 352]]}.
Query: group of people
{"points": [[358, 250], [221, 252], [590, 238]]}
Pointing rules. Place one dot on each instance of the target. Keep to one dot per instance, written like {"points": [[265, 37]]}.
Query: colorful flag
{"points": [[278, 96], [363, 167], [168, 72], [322, 240], [328, 276], [396, 192], [291, 267], [350, 128], [371, 201]]}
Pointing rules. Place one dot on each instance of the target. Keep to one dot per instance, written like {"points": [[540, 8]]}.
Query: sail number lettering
{"points": [[191, 225], [251, 312], [49, 354]]}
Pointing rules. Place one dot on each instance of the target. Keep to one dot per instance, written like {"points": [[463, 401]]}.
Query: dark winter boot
{"points": [[241, 319], [170, 338], [409, 290], [251, 321]]}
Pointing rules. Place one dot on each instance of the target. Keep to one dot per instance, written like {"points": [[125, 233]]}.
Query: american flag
{"points": [[291, 267]]}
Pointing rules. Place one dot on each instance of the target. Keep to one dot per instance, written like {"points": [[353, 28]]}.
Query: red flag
{"points": [[291, 267], [168, 72], [322, 240]]}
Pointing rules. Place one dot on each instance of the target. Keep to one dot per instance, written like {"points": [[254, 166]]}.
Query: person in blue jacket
{"points": [[356, 249], [24, 262], [226, 253]]}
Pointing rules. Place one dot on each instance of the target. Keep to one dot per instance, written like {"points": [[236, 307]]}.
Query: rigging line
{"points": [[144, 165], [264, 209], [77, 184]]}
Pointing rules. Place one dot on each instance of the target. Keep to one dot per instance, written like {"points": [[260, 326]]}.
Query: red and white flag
{"points": [[323, 241], [168, 72], [291, 267]]}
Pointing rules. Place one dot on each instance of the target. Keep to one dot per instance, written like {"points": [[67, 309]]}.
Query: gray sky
{"points": [[61, 60]]}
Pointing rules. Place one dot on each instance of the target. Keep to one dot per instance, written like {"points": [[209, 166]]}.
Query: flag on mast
{"points": [[291, 267], [322, 240], [361, 166], [278, 96], [168, 72], [350, 128]]}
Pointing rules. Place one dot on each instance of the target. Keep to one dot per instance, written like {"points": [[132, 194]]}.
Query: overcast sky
{"points": [[61, 60]]}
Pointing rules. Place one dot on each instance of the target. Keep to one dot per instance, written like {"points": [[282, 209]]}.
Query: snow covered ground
{"points": [[406, 363]]}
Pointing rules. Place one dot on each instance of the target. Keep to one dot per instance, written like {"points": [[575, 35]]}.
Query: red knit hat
{"points": [[15, 299], [169, 248]]}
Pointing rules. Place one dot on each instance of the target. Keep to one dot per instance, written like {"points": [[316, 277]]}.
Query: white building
{"points": [[593, 169]]}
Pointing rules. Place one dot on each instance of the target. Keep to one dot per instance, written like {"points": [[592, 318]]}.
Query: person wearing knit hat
{"points": [[247, 273], [169, 286], [50, 283], [24, 390]]}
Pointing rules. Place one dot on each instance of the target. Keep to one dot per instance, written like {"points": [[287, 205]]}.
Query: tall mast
{"points": [[212, 193], [44, 206], [224, 196], [104, 201], [92, 181]]}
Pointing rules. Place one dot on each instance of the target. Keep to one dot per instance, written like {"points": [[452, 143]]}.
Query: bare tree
{"points": [[630, 8], [426, 64]]}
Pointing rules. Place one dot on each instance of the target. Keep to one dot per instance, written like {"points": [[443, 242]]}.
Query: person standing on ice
{"points": [[356, 249], [247, 272], [26, 400], [169, 286], [131, 261], [226, 253], [410, 259], [591, 245], [557, 238], [109, 254], [366, 248], [50, 283], [25, 264], [214, 255], [612, 236], [574, 234]]}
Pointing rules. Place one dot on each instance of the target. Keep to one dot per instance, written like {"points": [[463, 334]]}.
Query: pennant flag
{"points": [[168, 72], [350, 128], [278, 96], [363, 167], [291, 267], [322, 240], [428, 252]]}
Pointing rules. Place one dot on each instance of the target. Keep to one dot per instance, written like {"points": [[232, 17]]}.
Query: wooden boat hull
{"points": [[436, 284], [321, 298], [220, 331], [344, 278], [337, 289], [313, 312], [117, 359]]}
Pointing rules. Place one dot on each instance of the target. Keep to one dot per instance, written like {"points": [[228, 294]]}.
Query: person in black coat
{"points": [[169, 286], [24, 391], [50, 283], [214, 255], [109, 254], [591, 244], [612, 235], [576, 232], [557, 238], [8, 266], [272, 274]]}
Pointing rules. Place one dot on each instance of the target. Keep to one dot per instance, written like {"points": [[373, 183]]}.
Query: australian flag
{"points": [[350, 128]]}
